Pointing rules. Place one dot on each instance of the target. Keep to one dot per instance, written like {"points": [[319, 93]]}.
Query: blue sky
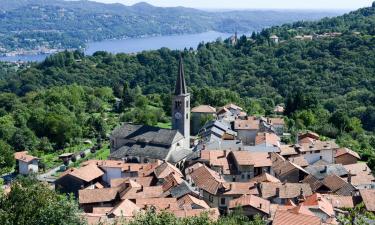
{"points": [[255, 4]]}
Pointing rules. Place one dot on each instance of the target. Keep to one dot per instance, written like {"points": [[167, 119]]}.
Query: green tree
{"points": [[30, 202], [6, 157]]}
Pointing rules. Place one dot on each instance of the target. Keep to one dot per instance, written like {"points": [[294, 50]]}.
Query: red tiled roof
{"points": [[232, 106], [288, 150], [339, 201], [213, 213], [267, 138], [158, 203], [165, 169], [299, 160], [87, 196], [289, 218], [362, 174], [188, 200], [86, 173], [144, 181], [344, 151], [142, 192], [318, 145], [318, 201], [258, 203], [24, 156], [171, 180], [207, 179], [368, 197], [276, 121], [125, 209], [286, 190], [265, 177], [240, 188], [203, 109], [252, 123], [217, 158], [256, 159]]}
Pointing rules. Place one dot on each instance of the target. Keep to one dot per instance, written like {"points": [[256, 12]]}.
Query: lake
{"points": [[134, 45]]}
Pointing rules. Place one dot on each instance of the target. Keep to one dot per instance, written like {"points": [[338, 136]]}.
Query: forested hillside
{"points": [[35, 24], [327, 85]]}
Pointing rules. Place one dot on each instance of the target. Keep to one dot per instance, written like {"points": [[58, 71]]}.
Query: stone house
{"points": [[26, 163]]}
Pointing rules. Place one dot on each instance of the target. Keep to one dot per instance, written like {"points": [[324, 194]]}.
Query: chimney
{"points": [[260, 205], [350, 177], [324, 170], [277, 192]]}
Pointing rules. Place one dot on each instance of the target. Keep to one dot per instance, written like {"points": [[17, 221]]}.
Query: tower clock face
{"points": [[177, 115]]}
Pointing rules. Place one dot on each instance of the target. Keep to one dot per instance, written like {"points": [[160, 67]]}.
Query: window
{"points": [[211, 198], [242, 176], [222, 201], [187, 115], [317, 151], [248, 176], [187, 103]]}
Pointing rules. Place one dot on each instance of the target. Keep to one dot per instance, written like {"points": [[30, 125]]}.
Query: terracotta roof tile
{"points": [[240, 188], [144, 181], [189, 200], [338, 185], [24, 156], [290, 218], [171, 181], [339, 201], [285, 190], [288, 150], [232, 106], [252, 123], [368, 198], [207, 179], [258, 203], [256, 159], [267, 138], [344, 151], [362, 174], [203, 109], [318, 146], [142, 192], [276, 121], [97, 195], [265, 177], [213, 213], [299, 160], [125, 209], [158, 203], [101, 210], [86, 173], [217, 158], [318, 201], [165, 169]]}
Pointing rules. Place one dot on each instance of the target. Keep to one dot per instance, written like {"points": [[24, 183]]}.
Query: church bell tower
{"points": [[181, 106]]}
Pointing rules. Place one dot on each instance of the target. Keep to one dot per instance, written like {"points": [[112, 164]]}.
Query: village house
{"points": [[287, 171], [368, 199], [247, 129], [295, 215], [251, 205], [346, 156], [316, 150], [73, 180], [361, 176], [281, 193], [215, 190], [278, 124], [26, 163], [199, 116], [216, 132], [320, 206]]}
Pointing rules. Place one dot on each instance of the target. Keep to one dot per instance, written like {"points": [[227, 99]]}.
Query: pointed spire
{"points": [[180, 83]]}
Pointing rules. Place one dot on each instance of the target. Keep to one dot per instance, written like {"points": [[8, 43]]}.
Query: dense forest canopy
{"points": [[327, 85]]}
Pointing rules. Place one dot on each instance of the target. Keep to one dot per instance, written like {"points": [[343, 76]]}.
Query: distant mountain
{"points": [[33, 24]]}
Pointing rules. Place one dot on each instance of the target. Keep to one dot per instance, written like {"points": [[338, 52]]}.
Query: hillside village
{"points": [[232, 160]]}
